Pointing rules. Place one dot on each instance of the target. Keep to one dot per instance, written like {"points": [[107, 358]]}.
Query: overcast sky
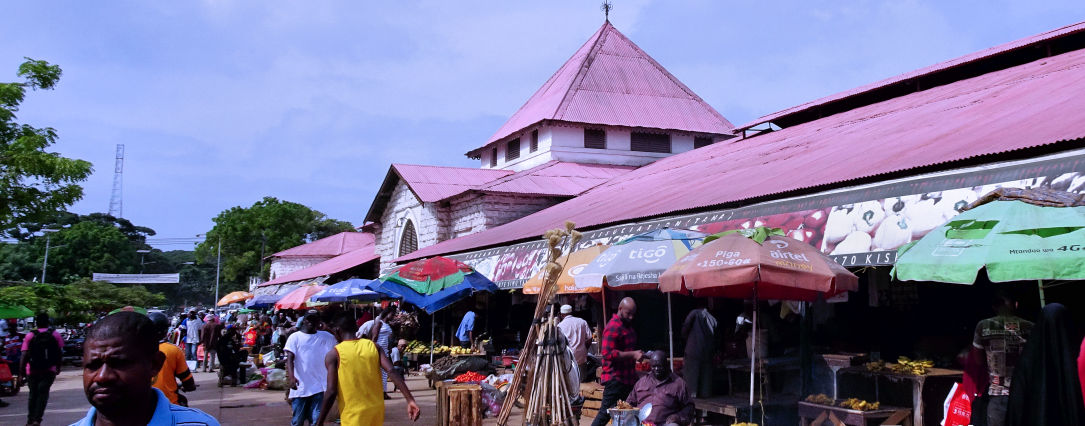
{"points": [[220, 103]]}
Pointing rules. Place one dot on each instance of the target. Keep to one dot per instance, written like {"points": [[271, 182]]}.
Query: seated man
{"points": [[671, 404]]}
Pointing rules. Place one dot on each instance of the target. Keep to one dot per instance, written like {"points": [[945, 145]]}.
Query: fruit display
{"points": [[904, 365], [820, 398], [470, 376], [417, 347], [858, 404]]}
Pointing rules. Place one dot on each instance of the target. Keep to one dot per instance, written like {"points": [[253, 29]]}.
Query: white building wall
{"points": [[403, 206], [281, 266]]}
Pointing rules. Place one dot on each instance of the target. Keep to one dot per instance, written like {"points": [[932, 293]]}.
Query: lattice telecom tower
{"points": [[116, 202]]}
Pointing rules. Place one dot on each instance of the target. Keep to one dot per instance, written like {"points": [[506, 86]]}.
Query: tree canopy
{"points": [[268, 226], [33, 182], [81, 301]]}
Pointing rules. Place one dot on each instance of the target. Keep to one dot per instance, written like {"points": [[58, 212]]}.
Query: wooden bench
{"points": [[811, 414]]}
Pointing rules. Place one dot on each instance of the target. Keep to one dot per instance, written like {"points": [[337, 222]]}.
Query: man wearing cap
{"points": [[578, 333], [192, 334], [209, 338]]}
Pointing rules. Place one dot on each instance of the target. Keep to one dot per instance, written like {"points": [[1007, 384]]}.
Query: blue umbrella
{"points": [[263, 301], [473, 282], [353, 289]]}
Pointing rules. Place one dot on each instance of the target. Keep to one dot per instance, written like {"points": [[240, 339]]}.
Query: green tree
{"points": [[33, 182], [88, 247], [267, 227], [81, 301]]}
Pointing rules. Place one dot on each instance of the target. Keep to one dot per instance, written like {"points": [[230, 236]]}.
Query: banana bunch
{"points": [[858, 404], [417, 347], [460, 351], [820, 398], [875, 366], [917, 367]]}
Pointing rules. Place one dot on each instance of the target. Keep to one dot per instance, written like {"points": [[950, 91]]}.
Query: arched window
{"points": [[408, 241]]}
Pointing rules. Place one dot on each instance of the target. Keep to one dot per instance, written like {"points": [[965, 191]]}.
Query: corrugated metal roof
{"points": [[435, 183], [329, 246], [336, 264], [556, 178], [1006, 48], [1029, 105], [611, 81]]}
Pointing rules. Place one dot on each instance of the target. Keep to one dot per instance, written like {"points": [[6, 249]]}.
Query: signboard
{"points": [[856, 227], [137, 278]]}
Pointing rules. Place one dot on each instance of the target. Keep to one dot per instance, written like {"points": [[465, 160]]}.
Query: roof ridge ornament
{"points": [[605, 7]]}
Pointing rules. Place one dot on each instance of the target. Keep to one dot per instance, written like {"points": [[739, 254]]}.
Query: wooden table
{"points": [[918, 382], [766, 365], [733, 406], [811, 414]]}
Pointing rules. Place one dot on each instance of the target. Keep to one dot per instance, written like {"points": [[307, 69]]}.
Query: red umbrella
{"points": [[299, 298], [428, 276], [738, 267]]}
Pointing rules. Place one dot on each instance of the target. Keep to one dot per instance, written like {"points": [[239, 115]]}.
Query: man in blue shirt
{"points": [[466, 331], [120, 360]]}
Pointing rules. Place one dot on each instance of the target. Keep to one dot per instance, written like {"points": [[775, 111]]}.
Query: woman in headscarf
{"points": [[1046, 390]]}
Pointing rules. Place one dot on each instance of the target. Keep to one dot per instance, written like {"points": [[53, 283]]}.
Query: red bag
{"points": [[958, 407], [5, 372]]}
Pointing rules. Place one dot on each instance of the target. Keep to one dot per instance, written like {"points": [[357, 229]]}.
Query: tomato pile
{"points": [[470, 376]]}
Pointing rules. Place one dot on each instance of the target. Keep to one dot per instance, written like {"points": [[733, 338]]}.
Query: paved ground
{"points": [[231, 406]]}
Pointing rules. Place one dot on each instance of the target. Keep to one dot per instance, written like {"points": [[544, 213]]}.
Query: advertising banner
{"points": [[137, 278], [856, 227]]}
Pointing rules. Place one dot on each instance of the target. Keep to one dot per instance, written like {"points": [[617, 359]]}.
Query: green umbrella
{"points": [[15, 311], [1013, 240], [137, 310]]}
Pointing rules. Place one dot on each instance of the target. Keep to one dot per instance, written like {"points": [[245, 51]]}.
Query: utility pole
{"points": [[218, 269], [45, 261]]}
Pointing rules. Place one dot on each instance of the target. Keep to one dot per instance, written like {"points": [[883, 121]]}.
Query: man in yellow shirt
{"points": [[354, 376], [174, 368]]}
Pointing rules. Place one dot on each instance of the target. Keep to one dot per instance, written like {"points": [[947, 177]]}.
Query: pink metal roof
{"points": [[611, 81], [966, 59], [556, 178], [435, 183], [329, 246], [336, 264], [1038, 103]]}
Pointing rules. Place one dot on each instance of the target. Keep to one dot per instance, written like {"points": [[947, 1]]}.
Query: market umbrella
{"points": [[574, 263], [135, 309], [263, 301], [451, 291], [15, 311], [430, 275], [757, 263], [356, 289], [1012, 240], [299, 298], [636, 263], [234, 297]]}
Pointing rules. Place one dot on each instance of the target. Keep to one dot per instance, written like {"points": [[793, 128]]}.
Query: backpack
{"points": [[44, 352]]}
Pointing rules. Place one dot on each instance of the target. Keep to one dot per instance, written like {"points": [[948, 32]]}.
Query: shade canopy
{"points": [[736, 266], [574, 264], [234, 297], [636, 263], [470, 284], [299, 298], [356, 289], [1013, 240], [15, 311], [428, 276]]}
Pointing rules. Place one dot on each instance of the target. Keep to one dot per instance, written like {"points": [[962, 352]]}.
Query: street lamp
{"points": [[218, 270], [45, 261], [141, 254]]}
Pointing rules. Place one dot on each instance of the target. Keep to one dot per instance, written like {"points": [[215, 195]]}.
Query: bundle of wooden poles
{"points": [[542, 351]]}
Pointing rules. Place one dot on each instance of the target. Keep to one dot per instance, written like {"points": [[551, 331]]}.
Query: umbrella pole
{"points": [[1043, 300], [753, 352], [670, 330], [431, 338]]}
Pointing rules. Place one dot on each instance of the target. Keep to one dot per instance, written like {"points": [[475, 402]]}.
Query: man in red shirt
{"points": [[619, 358]]}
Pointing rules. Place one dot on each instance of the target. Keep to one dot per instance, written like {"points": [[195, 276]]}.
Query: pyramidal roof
{"points": [[611, 81]]}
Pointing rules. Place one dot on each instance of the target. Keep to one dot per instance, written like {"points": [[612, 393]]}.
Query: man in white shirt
{"points": [[578, 333], [192, 335], [305, 371]]}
